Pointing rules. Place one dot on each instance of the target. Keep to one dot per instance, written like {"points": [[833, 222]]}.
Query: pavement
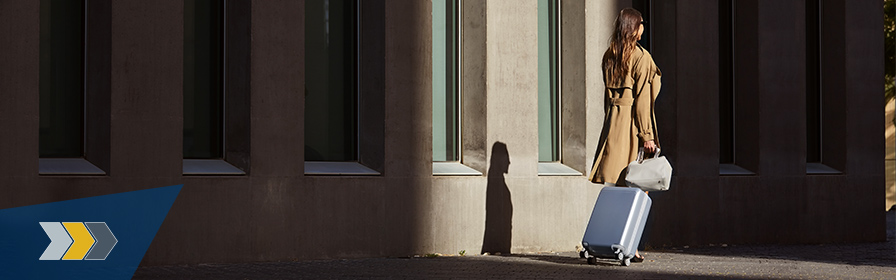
{"points": [[825, 261]]}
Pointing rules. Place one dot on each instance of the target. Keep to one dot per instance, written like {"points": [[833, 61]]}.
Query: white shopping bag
{"points": [[652, 174]]}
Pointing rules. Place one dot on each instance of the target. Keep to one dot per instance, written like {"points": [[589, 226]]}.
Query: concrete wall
{"points": [[781, 203], [275, 212]]}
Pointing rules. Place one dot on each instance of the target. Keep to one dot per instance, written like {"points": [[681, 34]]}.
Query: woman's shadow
{"points": [[498, 207]]}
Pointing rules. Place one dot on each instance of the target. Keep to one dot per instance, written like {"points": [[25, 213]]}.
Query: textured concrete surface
{"points": [[828, 261]]}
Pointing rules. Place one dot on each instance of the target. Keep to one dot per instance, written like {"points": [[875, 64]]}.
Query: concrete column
{"points": [[864, 64], [277, 73], [147, 88], [512, 88], [19, 88], [512, 28]]}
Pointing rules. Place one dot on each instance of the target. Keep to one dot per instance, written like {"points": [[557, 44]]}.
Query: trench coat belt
{"points": [[622, 101]]}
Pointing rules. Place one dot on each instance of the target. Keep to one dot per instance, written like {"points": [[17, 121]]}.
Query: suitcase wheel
{"points": [[592, 260], [626, 262]]}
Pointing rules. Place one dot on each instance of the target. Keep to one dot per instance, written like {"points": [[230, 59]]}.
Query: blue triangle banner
{"points": [[101, 237]]}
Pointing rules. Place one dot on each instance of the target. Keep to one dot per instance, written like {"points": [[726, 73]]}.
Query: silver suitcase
{"points": [[616, 224]]}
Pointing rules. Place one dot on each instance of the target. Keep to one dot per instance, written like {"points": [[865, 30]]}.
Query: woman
{"points": [[632, 83]]}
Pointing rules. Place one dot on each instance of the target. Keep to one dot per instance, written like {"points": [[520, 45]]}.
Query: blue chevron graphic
{"points": [[32, 236]]}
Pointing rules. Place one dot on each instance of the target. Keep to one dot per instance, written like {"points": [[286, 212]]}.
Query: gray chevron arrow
{"points": [[59, 241], [105, 241]]}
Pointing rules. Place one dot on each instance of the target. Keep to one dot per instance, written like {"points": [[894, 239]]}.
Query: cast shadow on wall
{"points": [[498, 207]]}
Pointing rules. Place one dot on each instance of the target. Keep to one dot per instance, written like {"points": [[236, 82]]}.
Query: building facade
{"points": [[338, 129]]}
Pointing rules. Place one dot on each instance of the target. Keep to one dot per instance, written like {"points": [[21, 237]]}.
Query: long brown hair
{"points": [[622, 43]]}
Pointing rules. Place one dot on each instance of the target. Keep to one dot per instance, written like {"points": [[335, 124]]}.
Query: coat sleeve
{"points": [[644, 71]]}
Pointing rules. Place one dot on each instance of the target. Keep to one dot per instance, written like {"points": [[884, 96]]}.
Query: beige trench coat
{"points": [[629, 119]]}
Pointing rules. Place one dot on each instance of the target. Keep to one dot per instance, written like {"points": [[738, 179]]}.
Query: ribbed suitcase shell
{"points": [[617, 222]]}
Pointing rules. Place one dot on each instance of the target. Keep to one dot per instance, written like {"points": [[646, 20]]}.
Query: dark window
{"points": [[738, 73], [824, 114], [331, 88], [446, 92], [726, 83], [646, 9], [813, 82], [203, 79], [61, 79], [548, 80]]}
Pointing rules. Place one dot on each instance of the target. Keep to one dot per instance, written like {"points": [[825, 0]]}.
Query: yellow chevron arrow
{"points": [[83, 241]]}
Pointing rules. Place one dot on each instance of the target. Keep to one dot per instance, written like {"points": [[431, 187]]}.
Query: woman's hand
{"points": [[649, 147]]}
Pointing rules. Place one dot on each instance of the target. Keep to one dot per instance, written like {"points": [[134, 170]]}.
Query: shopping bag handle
{"points": [[641, 158]]}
